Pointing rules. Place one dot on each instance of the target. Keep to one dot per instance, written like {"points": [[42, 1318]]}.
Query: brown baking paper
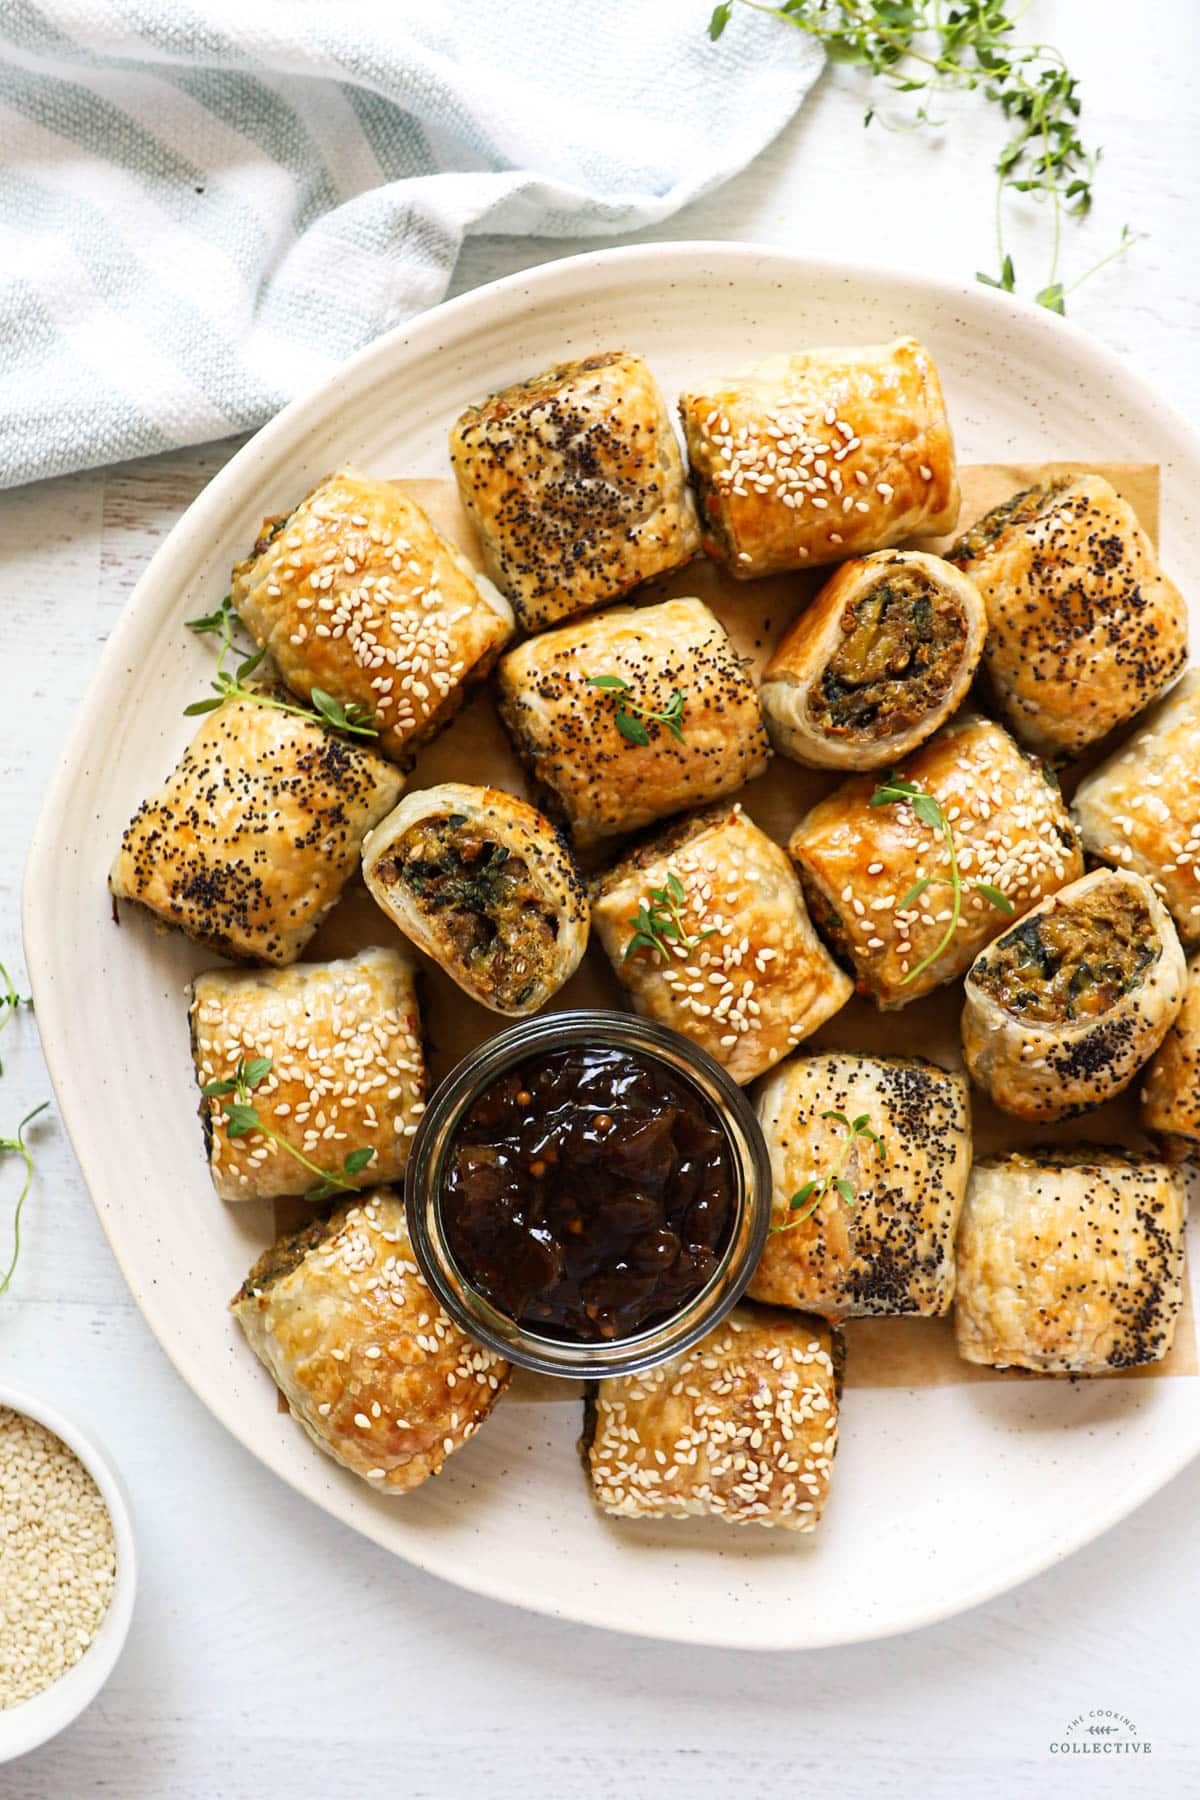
{"points": [[881, 1352]]}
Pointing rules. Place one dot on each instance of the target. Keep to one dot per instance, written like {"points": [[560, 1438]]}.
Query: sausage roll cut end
{"points": [[1070, 1261], [345, 1070], [888, 1247], [487, 887], [378, 1375], [743, 1427], [575, 482], [1170, 1098]]}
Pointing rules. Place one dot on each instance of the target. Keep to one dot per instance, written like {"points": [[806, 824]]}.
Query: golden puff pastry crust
{"points": [[357, 594], [250, 840], [891, 1249], [378, 1375], [1140, 809], [750, 978], [1170, 1099], [859, 862], [1084, 629], [576, 486], [1070, 1261], [567, 731], [347, 1069], [487, 887], [880, 659], [743, 1427], [1062, 1011], [823, 455]]}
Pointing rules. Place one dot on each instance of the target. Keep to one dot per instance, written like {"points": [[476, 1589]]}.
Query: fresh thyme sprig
{"points": [[659, 925], [896, 792], [10, 1001], [929, 47], [18, 1145], [805, 1201], [630, 714], [242, 1117], [325, 709]]}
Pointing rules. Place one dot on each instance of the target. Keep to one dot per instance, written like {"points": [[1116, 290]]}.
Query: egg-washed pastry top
{"points": [[250, 840], [356, 593], [819, 456], [576, 486], [1084, 629], [378, 1375]]}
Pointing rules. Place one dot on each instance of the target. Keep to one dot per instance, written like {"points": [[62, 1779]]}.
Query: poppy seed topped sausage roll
{"points": [[876, 663], [485, 886], [879, 880], [706, 928], [742, 1427], [250, 840], [378, 1375], [1141, 808], [357, 595], [346, 1070], [1171, 1085], [812, 458], [1062, 1011], [889, 1247], [1084, 629], [576, 485], [630, 716], [1070, 1261]]}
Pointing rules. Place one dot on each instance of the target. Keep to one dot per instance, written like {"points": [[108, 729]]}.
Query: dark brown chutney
{"points": [[588, 1193]]}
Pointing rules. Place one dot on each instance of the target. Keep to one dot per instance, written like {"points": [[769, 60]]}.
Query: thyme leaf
{"points": [[242, 1117], [807, 1198], [630, 714], [658, 922], [351, 718]]}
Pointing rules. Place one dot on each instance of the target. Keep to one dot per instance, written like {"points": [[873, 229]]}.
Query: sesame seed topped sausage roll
{"points": [[1084, 629], [1070, 1261], [743, 1427], [890, 1248], [707, 930], [250, 840], [812, 458], [346, 1074], [378, 1375], [487, 887], [1141, 808], [876, 663], [356, 594], [633, 715], [879, 881], [1171, 1084], [576, 486], [1062, 1011]]}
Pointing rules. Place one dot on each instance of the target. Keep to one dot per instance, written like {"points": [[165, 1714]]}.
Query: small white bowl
{"points": [[32, 1722]]}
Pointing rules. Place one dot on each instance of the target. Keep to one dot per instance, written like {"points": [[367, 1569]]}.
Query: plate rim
{"points": [[573, 274]]}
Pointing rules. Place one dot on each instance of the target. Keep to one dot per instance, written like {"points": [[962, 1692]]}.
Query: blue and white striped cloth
{"points": [[205, 206]]}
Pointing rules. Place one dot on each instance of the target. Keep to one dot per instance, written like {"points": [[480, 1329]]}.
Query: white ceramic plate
{"points": [[943, 1496]]}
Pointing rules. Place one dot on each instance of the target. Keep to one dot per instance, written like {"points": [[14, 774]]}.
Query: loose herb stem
{"points": [[325, 709], [18, 1144], [242, 1117], [10, 1001], [805, 1201]]}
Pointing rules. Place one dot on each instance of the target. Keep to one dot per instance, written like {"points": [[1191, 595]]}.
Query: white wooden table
{"points": [[273, 1653]]}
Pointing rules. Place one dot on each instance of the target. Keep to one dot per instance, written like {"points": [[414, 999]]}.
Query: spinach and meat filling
{"points": [[901, 646], [1072, 963], [483, 899], [1020, 509]]}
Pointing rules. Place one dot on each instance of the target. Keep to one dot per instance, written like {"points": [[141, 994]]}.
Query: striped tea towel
{"points": [[206, 204]]}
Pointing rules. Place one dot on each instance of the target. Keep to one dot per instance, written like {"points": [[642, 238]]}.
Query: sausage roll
{"points": [[1171, 1085], [249, 842], [878, 879], [881, 658], [485, 886], [379, 1376], [356, 594], [1062, 1011], [890, 1247], [812, 458], [1141, 808], [742, 1427], [706, 928], [631, 716], [1084, 629], [346, 1075], [576, 486], [1070, 1261]]}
